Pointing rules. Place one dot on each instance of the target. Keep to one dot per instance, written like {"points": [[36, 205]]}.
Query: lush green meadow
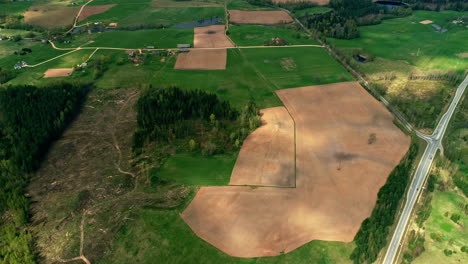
{"points": [[144, 13], [194, 169], [14, 8], [311, 11], [40, 52], [254, 35], [159, 38], [244, 5]]}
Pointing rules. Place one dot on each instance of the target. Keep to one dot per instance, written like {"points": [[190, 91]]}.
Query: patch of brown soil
{"points": [[267, 155], [463, 55], [337, 179], [425, 22], [259, 17], [211, 37], [58, 73], [93, 10], [214, 59], [51, 16], [317, 2]]}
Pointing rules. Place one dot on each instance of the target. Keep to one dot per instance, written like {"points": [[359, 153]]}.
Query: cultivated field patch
{"points": [[267, 155], [58, 73], [211, 37], [463, 55], [93, 10], [346, 146], [193, 3], [202, 60], [51, 16], [259, 17], [425, 22]]}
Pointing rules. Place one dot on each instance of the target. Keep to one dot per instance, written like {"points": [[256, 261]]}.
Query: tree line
{"points": [[31, 118], [208, 123], [372, 236]]}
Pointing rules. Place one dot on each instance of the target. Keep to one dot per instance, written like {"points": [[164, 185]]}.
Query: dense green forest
{"points": [[30, 119], [372, 236], [211, 125]]}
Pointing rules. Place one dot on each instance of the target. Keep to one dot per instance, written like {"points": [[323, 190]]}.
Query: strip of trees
{"points": [[31, 118], [372, 236], [209, 124]]}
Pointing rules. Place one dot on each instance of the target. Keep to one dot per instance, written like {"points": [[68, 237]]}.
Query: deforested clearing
{"points": [[51, 16], [267, 155], [93, 10], [214, 59], [211, 37], [346, 147], [58, 72], [259, 17]]}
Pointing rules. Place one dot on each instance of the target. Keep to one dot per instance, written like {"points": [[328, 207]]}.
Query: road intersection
{"points": [[434, 142]]}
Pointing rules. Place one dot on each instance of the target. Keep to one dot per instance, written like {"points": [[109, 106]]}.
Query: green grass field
{"points": [[253, 35], [407, 41], [13, 8], [251, 74], [142, 12], [160, 38], [453, 235], [244, 5], [311, 11], [172, 241], [198, 170]]}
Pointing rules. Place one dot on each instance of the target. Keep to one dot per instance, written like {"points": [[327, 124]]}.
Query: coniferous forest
{"points": [[212, 125], [31, 118]]}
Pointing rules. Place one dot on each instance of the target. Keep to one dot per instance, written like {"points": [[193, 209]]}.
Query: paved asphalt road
{"points": [[434, 141]]}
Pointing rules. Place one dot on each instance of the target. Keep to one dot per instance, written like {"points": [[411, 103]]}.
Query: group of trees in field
{"points": [[372, 236], [31, 118], [436, 5], [6, 75], [210, 124]]}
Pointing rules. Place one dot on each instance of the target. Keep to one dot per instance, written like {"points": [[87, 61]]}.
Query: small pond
{"points": [[360, 58], [390, 4], [199, 23]]}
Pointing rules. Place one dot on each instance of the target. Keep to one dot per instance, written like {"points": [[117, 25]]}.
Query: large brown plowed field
{"points": [[93, 10], [211, 37], [258, 17], [58, 72], [51, 16], [318, 2], [267, 155], [346, 146], [209, 59]]}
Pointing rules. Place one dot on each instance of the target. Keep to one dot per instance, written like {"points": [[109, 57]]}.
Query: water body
{"points": [[199, 23], [360, 58], [390, 4]]}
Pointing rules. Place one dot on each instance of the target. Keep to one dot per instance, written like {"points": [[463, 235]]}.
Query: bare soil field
{"points": [[51, 16], [463, 55], [214, 59], [425, 22], [346, 146], [211, 37], [93, 10], [58, 73], [318, 2], [259, 17], [267, 155]]}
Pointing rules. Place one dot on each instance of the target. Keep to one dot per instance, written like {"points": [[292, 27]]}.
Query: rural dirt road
{"points": [[434, 142]]}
